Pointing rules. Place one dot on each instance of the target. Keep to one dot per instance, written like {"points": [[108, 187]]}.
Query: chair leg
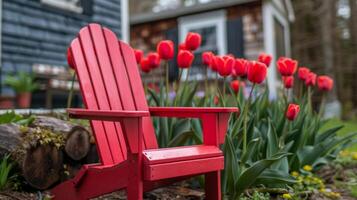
{"points": [[213, 185], [134, 190]]}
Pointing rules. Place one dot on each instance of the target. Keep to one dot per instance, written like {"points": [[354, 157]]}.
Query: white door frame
{"points": [[125, 27], [269, 14], [213, 18]]}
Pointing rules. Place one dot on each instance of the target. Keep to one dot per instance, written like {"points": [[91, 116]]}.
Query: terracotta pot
{"points": [[6, 102], [24, 100]]}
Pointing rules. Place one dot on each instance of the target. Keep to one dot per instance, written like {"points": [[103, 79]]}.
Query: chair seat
{"points": [[165, 155], [181, 161]]}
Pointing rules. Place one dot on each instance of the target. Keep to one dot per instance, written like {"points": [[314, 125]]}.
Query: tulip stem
{"points": [[206, 83], [309, 98], [246, 110], [224, 90], [322, 105], [178, 86], [167, 83], [216, 82], [70, 95], [185, 84], [283, 136]]}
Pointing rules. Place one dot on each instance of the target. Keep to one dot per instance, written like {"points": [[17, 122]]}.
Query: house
{"points": [[243, 28], [36, 33]]}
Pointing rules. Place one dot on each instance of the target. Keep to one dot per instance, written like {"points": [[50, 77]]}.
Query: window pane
{"points": [[279, 38], [209, 43]]}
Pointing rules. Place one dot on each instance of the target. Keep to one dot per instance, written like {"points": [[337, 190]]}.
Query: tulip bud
{"points": [[226, 69], [193, 41], [145, 65], [287, 66], [288, 81], [241, 67], [216, 100], [217, 62], [324, 83], [207, 58], [310, 79], [292, 111], [265, 58], [70, 58], [182, 46], [184, 59], [165, 49], [154, 60], [138, 55], [235, 86], [303, 72], [257, 72]]}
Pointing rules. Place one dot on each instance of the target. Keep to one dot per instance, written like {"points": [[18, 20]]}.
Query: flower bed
{"points": [[274, 149]]}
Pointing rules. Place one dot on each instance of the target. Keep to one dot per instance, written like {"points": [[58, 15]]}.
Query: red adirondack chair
{"points": [[120, 119]]}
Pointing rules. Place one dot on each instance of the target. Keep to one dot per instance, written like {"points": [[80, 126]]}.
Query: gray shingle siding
{"points": [[34, 33]]}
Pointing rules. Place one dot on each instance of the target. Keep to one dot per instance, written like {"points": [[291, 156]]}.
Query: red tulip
{"points": [[324, 83], [207, 58], [193, 41], [241, 67], [235, 86], [288, 81], [257, 72], [154, 60], [184, 59], [139, 54], [265, 58], [216, 100], [70, 58], [292, 112], [182, 46], [217, 62], [165, 49], [303, 73], [225, 57], [310, 79], [145, 65], [287, 66], [226, 69]]}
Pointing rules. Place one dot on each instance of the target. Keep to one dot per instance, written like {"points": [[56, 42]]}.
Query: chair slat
{"points": [[102, 51], [90, 101], [138, 94], [100, 90]]}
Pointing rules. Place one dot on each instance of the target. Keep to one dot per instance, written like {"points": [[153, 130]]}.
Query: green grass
{"points": [[349, 127]]}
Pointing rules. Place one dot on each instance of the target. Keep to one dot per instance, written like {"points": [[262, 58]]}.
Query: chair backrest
{"points": [[109, 79]]}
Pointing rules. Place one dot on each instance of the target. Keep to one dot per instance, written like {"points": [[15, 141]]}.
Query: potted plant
{"points": [[23, 83]]}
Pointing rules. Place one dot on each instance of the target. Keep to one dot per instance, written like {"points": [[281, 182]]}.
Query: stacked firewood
{"points": [[48, 151]]}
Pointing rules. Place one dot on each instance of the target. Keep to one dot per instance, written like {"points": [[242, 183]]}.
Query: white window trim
{"points": [[217, 18], [269, 13], [63, 5]]}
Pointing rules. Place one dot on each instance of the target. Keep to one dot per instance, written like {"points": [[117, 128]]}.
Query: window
{"points": [[279, 39], [70, 5], [212, 27]]}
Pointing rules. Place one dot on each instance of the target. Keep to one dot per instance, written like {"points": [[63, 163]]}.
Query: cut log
{"points": [[77, 138], [42, 166], [43, 149], [10, 138]]}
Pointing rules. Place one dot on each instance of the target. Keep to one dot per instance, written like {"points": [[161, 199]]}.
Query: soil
{"points": [[167, 193], [335, 177]]}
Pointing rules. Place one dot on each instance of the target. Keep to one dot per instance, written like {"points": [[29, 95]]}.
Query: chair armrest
{"points": [[192, 112], [214, 120], [105, 115]]}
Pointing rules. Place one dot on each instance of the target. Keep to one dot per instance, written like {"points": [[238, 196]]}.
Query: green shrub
{"points": [[21, 82]]}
